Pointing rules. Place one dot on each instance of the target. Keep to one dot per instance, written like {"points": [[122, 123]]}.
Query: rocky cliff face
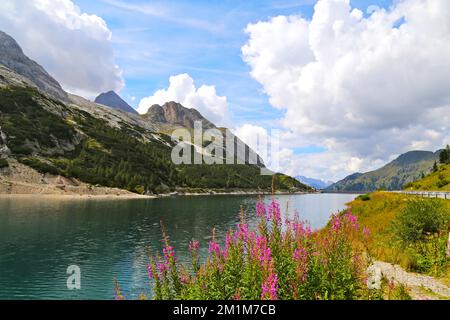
{"points": [[12, 57], [172, 115], [113, 100]]}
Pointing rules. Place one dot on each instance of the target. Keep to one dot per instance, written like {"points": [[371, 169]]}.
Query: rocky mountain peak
{"points": [[174, 114], [13, 58], [113, 100]]}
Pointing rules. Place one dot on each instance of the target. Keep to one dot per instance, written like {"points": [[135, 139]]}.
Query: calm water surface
{"points": [[40, 238]]}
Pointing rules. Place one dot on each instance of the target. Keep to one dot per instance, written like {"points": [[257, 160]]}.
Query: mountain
{"points": [[73, 139], [407, 167], [113, 100], [12, 57], [172, 115], [315, 183]]}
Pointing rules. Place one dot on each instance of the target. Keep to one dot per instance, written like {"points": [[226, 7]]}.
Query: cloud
{"points": [[73, 46], [182, 89], [366, 88], [326, 166]]}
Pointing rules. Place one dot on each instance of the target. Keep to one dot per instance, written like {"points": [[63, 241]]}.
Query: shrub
{"points": [[140, 189], [421, 228], [420, 217], [39, 165], [3, 163], [363, 197], [408, 185], [271, 262], [441, 181], [429, 256]]}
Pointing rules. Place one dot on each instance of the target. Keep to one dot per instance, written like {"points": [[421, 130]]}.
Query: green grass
{"points": [[379, 214], [436, 181]]}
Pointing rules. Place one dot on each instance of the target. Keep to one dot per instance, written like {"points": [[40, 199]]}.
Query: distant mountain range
{"points": [[406, 168], [315, 183], [59, 134]]}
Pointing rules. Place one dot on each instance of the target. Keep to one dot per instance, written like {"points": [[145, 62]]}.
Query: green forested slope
{"points": [[54, 138], [406, 168]]}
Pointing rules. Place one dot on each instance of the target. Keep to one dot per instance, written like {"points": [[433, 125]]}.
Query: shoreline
{"points": [[132, 196]]}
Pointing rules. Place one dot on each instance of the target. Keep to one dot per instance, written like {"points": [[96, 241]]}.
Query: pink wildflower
{"points": [[193, 246], [261, 210], [228, 241], [214, 248], [274, 212], [336, 224], [169, 254], [150, 272], [301, 257], [162, 268], [352, 219], [261, 251], [270, 287]]}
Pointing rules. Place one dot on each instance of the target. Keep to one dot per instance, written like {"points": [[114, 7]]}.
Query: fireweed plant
{"points": [[274, 261]]}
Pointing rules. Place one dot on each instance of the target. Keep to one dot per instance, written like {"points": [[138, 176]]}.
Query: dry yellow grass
{"points": [[436, 181]]}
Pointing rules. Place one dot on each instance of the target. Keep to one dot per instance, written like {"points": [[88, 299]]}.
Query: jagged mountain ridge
{"points": [[172, 115], [404, 169], [113, 100]]}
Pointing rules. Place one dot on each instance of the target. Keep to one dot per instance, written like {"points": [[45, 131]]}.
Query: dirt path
{"points": [[421, 286]]}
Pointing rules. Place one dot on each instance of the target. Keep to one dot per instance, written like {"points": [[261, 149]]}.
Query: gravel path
{"points": [[412, 280]]}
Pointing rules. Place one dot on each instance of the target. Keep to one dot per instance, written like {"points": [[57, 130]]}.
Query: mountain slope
{"points": [[435, 181], [12, 57], [57, 139], [78, 139], [113, 100], [406, 168], [315, 183]]}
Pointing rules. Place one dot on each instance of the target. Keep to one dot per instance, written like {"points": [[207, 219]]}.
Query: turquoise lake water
{"points": [[108, 239]]}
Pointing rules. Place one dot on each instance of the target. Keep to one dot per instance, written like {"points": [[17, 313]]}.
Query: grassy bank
{"points": [[387, 216], [435, 181]]}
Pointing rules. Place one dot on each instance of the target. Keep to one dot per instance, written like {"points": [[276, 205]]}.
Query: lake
{"points": [[107, 239]]}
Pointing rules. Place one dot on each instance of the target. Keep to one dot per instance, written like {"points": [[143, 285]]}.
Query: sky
{"points": [[349, 84]]}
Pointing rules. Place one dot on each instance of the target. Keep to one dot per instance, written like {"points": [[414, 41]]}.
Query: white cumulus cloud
{"points": [[365, 87], [74, 47], [182, 89]]}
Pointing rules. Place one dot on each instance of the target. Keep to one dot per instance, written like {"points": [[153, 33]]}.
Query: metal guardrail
{"points": [[427, 194]]}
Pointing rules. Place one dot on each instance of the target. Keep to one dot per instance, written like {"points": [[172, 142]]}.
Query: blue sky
{"points": [[346, 88], [154, 40]]}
